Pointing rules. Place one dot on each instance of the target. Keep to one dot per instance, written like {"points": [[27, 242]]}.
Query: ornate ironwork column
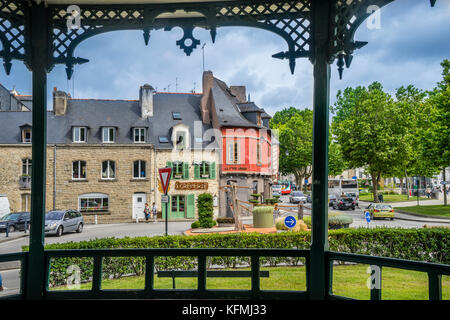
{"points": [[321, 94], [39, 55]]}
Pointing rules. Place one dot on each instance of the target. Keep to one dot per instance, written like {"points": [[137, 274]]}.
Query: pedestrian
{"points": [[1, 283], [154, 212], [428, 193], [146, 212], [380, 197]]}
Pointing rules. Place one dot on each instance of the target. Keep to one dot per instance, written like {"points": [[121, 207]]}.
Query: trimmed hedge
{"points": [[430, 245]]}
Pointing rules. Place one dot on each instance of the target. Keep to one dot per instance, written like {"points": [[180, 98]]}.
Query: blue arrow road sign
{"points": [[367, 213], [290, 222]]}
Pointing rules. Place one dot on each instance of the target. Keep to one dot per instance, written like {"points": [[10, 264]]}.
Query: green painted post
{"points": [[36, 264], [321, 94], [434, 286]]}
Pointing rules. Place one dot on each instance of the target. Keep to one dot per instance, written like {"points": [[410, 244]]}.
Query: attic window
{"points": [[26, 135], [176, 115], [163, 140]]}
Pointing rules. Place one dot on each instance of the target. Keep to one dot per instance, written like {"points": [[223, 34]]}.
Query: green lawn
{"points": [[437, 210], [348, 280], [391, 198]]}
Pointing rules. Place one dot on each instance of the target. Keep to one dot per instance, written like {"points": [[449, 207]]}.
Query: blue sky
{"points": [[407, 49]]}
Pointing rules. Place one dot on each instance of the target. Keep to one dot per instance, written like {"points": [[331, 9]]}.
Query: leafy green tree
{"points": [[283, 116], [436, 137], [295, 136], [371, 130]]}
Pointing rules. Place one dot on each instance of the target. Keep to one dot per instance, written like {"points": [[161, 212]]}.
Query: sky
{"points": [[407, 48]]}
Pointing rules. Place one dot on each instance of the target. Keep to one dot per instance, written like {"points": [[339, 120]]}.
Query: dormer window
{"points": [[109, 134], [181, 140], [26, 135], [163, 140], [79, 134], [139, 135]]}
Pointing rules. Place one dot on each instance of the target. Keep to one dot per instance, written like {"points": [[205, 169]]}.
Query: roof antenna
{"points": [[248, 99], [203, 50], [168, 88], [176, 84]]}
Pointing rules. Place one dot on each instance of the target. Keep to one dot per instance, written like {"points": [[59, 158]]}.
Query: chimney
{"points": [[208, 83], [59, 102], [239, 92], [146, 93]]}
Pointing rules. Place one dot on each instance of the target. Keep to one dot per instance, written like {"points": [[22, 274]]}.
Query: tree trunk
{"points": [[375, 181], [407, 184], [445, 188]]}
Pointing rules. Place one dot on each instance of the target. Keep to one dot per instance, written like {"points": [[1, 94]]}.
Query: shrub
{"points": [[339, 219], [225, 220], [263, 210], [205, 210], [195, 225], [429, 245]]}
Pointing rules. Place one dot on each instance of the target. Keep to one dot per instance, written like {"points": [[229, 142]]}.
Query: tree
{"points": [[436, 138], [336, 161], [370, 129], [295, 136], [283, 116]]}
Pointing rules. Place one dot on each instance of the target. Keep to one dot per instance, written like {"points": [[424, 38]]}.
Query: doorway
{"points": [[139, 200]]}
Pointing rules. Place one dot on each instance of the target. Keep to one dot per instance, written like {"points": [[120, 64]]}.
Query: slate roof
{"points": [[228, 113], [122, 114]]}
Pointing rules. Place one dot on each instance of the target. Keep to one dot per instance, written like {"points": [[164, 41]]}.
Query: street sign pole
{"points": [[164, 176]]}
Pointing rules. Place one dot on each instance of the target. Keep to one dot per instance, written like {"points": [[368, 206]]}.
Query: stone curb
{"points": [[438, 219], [10, 238]]}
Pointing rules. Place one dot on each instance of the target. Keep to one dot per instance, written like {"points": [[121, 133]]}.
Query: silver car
{"points": [[59, 222], [297, 196]]}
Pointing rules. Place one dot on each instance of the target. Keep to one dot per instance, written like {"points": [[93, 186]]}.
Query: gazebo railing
{"points": [[433, 270]]}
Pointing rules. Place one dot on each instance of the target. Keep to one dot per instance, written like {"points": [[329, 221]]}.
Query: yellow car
{"points": [[381, 210]]}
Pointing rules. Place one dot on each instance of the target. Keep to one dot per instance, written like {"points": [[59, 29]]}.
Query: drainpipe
{"points": [[54, 177]]}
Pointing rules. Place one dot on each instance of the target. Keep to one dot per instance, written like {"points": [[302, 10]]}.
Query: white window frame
{"points": [[184, 144], [140, 134], [109, 170], [231, 154], [24, 131], [79, 170], [140, 169], [78, 130], [93, 196], [109, 130]]}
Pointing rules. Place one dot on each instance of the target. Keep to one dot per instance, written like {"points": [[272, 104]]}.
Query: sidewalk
{"points": [[13, 235], [407, 203]]}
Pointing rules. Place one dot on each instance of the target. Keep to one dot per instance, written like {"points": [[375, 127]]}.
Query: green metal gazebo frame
{"points": [[45, 33]]}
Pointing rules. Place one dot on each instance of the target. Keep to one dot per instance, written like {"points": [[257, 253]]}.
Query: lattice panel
{"points": [[12, 32], [289, 17]]}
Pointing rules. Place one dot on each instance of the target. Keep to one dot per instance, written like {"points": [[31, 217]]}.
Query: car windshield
{"points": [[383, 206], [297, 194], [351, 195], [54, 215], [11, 216]]}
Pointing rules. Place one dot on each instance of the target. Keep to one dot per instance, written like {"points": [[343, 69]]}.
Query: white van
{"points": [[4, 205]]}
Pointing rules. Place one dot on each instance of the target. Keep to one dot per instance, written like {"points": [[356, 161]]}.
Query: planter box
{"points": [[263, 220], [225, 224]]}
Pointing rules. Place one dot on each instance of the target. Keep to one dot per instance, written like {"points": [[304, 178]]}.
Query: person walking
{"points": [[380, 197], [154, 212], [147, 212]]}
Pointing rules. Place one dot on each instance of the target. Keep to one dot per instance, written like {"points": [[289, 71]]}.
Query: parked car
{"points": [[381, 210], [354, 196], [344, 203], [297, 196], [15, 221], [331, 199], [59, 222], [4, 205]]}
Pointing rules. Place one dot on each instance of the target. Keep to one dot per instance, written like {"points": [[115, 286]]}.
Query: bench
{"points": [[210, 274]]}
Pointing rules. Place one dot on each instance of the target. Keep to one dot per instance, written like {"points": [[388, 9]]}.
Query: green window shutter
{"points": [[190, 212], [212, 170], [196, 171], [185, 170], [169, 165]]}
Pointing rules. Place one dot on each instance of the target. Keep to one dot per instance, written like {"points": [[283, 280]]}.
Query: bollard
{"points": [[300, 211], [25, 227], [7, 229]]}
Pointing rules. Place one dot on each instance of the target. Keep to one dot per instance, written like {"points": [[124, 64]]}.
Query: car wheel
{"points": [[80, 228], [11, 229], [353, 208], [392, 219], [59, 231]]}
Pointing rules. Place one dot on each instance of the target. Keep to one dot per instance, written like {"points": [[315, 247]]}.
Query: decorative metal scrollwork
{"points": [[292, 20]]}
